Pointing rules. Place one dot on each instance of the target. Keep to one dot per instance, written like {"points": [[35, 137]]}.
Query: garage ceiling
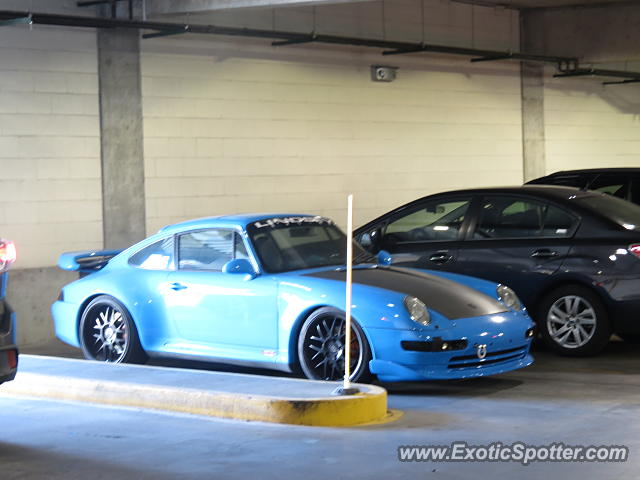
{"points": [[171, 7], [522, 4]]}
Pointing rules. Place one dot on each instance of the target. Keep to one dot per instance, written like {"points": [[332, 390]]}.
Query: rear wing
{"points": [[86, 262]]}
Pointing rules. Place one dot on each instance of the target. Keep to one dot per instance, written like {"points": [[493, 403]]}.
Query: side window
{"points": [[435, 220], [612, 185], [239, 249], [205, 249], [509, 217], [157, 256]]}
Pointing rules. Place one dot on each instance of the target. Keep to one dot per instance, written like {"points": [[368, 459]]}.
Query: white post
{"points": [[347, 346]]}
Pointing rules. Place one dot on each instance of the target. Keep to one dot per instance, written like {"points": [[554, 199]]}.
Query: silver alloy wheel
{"points": [[106, 334], [571, 321]]}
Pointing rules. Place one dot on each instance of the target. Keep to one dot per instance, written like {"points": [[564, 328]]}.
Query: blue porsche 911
{"points": [[269, 291]]}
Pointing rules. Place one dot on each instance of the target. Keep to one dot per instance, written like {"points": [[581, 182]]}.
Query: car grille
{"points": [[472, 361]]}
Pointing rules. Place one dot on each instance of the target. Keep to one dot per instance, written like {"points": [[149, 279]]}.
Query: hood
{"points": [[451, 299]]}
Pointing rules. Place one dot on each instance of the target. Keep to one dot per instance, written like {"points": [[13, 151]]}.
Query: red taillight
{"points": [[12, 358], [7, 253], [635, 249]]}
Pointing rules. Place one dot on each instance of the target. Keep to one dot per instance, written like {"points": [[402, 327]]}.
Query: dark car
{"points": [[572, 256], [620, 182], [8, 348]]}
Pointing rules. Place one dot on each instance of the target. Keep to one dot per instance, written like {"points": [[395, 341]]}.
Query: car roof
{"points": [[560, 194], [236, 220], [592, 171], [549, 191]]}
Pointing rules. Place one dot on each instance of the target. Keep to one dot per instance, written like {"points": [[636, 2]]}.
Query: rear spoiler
{"points": [[86, 262]]}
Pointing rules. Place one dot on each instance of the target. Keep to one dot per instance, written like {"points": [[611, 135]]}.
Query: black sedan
{"points": [[572, 256]]}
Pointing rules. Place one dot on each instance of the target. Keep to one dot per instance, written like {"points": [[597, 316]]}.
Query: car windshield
{"points": [[625, 214], [295, 243]]}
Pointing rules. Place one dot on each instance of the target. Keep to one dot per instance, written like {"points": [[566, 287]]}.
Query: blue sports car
{"points": [[269, 291]]}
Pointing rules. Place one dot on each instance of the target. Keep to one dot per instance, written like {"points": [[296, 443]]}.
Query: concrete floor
{"points": [[575, 401]]}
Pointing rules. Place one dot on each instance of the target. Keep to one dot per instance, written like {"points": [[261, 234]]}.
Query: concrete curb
{"points": [[367, 407]]}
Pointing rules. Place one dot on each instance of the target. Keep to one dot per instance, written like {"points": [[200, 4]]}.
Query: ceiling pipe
{"points": [[280, 37], [290, 38]]}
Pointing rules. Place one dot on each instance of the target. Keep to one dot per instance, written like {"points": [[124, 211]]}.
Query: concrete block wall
{"points": [[239, 126], [588, 125], [50, 194]]}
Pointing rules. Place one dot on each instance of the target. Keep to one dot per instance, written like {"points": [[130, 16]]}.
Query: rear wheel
{"points": [[108, 334], [573, 321], [321, 347]]}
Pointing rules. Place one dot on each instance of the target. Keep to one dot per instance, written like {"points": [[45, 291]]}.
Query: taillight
{"points": [[635, 249], [7, 253], [12, 359]]}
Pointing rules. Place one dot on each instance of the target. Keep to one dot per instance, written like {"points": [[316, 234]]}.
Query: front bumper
{"points": [[483, 346], [8, 347]]}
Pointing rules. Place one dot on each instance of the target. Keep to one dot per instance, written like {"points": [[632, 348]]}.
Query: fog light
{"points": [[12, 358], [445, 345], [530, 332]]}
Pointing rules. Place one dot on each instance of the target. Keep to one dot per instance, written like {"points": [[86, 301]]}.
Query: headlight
{"points": [[417, 310], [509, 297]]}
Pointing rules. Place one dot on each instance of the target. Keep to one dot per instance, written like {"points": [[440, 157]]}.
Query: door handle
{"points": [[177, 286], [544, 253], [440, 257]]}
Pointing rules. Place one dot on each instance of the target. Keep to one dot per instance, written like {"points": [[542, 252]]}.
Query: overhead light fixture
{"points": [[381, 73]]}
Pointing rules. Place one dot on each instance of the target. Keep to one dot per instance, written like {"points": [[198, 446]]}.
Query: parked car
{"points": [[572, 256], [620, 182], [269, 291], [8, 348]]}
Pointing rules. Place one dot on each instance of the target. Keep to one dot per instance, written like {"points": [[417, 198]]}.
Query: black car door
{"points": [[426, 235], [518, 241]]}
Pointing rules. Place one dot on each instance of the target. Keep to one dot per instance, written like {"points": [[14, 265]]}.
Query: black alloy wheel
{"points": [[321, 347], [108, 334]]}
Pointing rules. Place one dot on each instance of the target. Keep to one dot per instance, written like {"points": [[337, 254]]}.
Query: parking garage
{"points": [[118, 118]]}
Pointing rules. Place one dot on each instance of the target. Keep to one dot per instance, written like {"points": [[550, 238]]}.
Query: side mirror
{"points": [[384, 258], [370, 240], [239, 265]]}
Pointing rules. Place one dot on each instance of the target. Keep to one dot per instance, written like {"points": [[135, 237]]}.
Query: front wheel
{"points": [[108, 334], [573, 321], [321, 347]]}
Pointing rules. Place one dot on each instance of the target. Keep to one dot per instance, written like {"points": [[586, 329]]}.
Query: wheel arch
{"points": [[566, 281], [89, 299], [294, 361]]}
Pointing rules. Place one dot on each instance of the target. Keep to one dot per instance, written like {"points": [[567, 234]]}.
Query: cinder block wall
{"points": [[49, 143], [49, 163], [240, 126], [590, 126], [231, 133]]}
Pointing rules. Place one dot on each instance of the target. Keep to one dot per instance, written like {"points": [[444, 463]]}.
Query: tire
{"points": [[108, 334], [321, 347], [573, 321]]}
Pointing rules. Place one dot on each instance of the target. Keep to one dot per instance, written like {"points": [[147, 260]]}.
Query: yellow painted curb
{"points": [[368, 407]]}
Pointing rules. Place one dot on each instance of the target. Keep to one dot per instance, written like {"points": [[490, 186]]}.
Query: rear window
{"points": [[625, 214]]}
